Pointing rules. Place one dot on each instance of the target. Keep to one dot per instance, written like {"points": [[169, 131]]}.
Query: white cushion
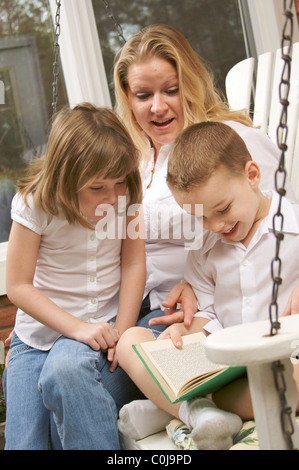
{"points": [[141, 418]]}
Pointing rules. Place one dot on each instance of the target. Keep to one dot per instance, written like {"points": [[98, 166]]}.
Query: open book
{"points": [[185, 372]]}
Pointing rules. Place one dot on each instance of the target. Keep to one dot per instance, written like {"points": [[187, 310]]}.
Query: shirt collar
{"points": [[290, 219], [162, 155], [162, 159]]}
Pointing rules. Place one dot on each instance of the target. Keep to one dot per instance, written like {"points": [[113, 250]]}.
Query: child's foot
{"points": [[212, 428]]}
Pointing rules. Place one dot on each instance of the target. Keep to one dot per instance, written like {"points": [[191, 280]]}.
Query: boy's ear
{"points": [[253, 173]]}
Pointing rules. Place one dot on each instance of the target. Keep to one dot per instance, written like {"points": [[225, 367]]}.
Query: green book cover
{"points": [[183, 373]]}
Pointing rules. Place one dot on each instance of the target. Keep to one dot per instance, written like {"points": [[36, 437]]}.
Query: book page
{"points": [[180, 365]]}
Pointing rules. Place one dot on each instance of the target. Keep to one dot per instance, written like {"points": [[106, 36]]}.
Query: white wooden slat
{"points": [[238, 84], [263, 91], [267, 107]]}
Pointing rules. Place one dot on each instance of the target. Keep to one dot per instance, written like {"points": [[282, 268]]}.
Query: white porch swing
{"points": [[267, 356]]}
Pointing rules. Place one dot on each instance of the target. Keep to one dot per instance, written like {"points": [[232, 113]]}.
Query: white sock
{"points": [[212, 428]]}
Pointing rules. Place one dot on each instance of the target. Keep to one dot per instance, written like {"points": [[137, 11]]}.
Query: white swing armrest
{"points": [[250, 344]]}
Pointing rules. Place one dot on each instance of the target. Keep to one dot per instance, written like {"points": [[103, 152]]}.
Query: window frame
{"points": [[81, 55], [83, 66], [266, 17]]}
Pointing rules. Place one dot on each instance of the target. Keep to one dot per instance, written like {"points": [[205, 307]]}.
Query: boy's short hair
{"points": [[200, 150]]}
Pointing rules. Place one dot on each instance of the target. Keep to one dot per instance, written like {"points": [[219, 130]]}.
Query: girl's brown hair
{"points": [[200, 98], [85, 143]]}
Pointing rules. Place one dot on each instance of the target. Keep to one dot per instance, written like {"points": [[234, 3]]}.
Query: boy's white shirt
{"points": [[233, 283], [166, 258]]}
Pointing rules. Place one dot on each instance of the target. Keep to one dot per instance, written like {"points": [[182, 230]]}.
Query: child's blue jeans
{"points": [[74, 382]]}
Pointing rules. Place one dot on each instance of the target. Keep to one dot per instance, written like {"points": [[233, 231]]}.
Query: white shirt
{"points": [[76, 270], [168, 232], [233, 283], [166, 256]]}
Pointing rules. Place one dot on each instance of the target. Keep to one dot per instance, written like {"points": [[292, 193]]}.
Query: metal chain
{"points": [[56, 58], [286, 410], [116, 25], [280, 174]]}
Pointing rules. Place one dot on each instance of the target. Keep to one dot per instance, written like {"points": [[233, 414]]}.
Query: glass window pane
{"points": [[213, 28], [26, 62]]}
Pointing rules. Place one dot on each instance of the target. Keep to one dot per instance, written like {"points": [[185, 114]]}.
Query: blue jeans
{"points": [[71, 382]]}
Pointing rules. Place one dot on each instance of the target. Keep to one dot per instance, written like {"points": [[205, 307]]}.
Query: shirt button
{"points": [[92, 236], [92, 278], [93, 300], [245, 262]]}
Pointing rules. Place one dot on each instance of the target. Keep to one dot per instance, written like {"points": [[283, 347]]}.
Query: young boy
{"points": [[231, 272]]}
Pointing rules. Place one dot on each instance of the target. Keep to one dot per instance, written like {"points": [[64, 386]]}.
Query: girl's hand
{"points": [[111, 356], [8, 339], [97, 335], [7, 343]]}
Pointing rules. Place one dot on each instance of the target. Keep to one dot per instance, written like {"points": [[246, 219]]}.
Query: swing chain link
{"points": [[287, 425], [116, 24], [280, 175], [56, 58]]}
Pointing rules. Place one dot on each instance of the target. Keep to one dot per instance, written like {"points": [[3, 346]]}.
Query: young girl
{"points": [[76, 291]]}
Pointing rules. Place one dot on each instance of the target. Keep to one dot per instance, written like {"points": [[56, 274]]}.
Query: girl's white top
{"points": [[75, 269]]}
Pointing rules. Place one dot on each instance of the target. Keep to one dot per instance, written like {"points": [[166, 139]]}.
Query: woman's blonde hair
{"points": [[205, 147], [200, 98], [85, 143]]}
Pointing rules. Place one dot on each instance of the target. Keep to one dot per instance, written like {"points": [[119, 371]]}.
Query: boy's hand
{"points": [[177, 330], [182, 294], [175, 333]]}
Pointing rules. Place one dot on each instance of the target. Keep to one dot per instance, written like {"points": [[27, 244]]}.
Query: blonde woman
{"points": [[162, 86]]}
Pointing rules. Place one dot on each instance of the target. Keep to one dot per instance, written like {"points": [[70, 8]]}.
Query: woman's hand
{"points": [[182, 294]]}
